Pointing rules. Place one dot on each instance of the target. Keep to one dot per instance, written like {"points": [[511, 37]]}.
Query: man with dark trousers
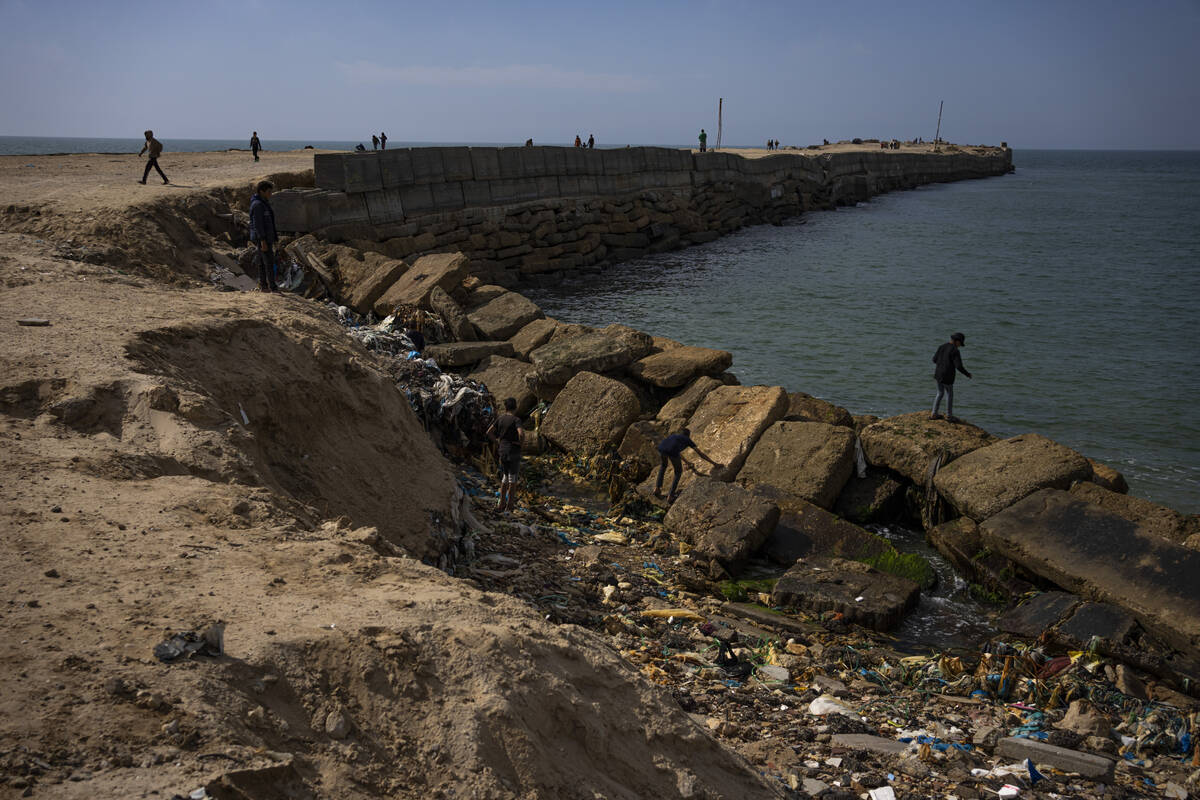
{"points": [[671, 449], [255, 145], [263, 236], [382, 141], [507, 432], [947, 361], [155, 148]]}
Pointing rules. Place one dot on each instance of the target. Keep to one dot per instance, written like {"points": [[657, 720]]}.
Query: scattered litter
{"points": [[209, 642]]}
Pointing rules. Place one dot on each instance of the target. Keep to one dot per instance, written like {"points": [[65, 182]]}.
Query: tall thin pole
{"points": [[720, 121], [937, 137]]}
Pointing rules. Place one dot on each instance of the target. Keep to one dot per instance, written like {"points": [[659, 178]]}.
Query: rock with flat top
{"points": [[444, 270], [675, 367], [1096, 768], [639, 344], [876, 497], [806, 408], [805, 530], [456, 319], [861, 594], [684, 404], [722, 521], [505, 377], [504, 316], [1160, 520], [810, 460], [533, 336], [461, 354], [910, 443], [363, 294], [1108, 477], [590, 414], [557, 362]]}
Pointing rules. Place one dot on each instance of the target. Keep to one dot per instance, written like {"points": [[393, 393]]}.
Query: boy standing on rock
{"points": [[263, 236], [509, 435], [947, 361], [671, 449], [155, 148]]}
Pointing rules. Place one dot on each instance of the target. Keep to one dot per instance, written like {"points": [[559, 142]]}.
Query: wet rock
{"points": [[590, 414], [806, 408], [639, 344], [988, 480], [810, 460], [675, 367], [533, 336], [960, 542], [683, 405], [805, 529], [908, 443], [504, 316], [1102, 621], [456, 319], [1083, 718], [461, 354], [444, 270], [1159, 520], [878, 497], [1085, 549], [1037, 615], [859, 593], [557, 362], [363, 295], [505, 377], [722, 521]]}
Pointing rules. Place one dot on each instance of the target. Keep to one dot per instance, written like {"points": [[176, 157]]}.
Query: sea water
{"points": [[1076, 281]]}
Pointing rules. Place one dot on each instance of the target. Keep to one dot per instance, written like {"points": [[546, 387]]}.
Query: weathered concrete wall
{"points": [[519, 212]]}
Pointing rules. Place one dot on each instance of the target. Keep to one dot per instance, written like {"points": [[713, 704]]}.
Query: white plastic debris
{"points": [[828, 704], [883, 793], [1008, 790]]}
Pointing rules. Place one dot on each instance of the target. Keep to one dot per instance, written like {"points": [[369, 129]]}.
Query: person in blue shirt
{"points": [[263, 235], [671, 449]]}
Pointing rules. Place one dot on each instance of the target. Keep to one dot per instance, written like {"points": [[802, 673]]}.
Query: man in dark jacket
{"points": [[255, 145], [508, 434], [155, 148], [947, 360], [671, 449], [263, 236]]}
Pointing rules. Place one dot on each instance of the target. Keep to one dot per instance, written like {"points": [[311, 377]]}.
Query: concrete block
{"points": [[427, 165], [291, 207], [533, 162], [328, 171], [618, 162], [1096, 768], [447, 196], [872, 744], [575, 159], [456, 164], [318, 210], [624, 184], [568, 185], [384, 206], [417, 199], [511, 165], [362, 172], [485, 162], [476, 193], [682, 159], [556, 159], [514, 191], [588, 186], [547, 187], [344, 208], [395, 167], [593, 161]]}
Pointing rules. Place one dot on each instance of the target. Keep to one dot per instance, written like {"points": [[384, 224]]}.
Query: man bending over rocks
{"points": [[947, 360], [509, 435], [671, 449]]}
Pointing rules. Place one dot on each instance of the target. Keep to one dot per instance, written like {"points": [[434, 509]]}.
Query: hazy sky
{"points": [[1040, 74]]}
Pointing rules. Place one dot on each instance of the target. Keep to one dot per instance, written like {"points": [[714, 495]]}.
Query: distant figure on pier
{"points": [[359, 148], [255, 144], [382, 141], [263, 235], [591, 141], [508, 434], [374, 142], [703, 140], [826, 141], [947, 360], [529, 142], [578, 141], [671, 449], [155, 148]]}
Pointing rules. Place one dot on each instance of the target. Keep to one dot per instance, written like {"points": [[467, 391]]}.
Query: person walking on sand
{"points": [[703, 140], [263, 236], [374, 142], [508, 434], [947, 360], [155, 148], [671, 449], [591, 141], [382, 141], [255, 144]]}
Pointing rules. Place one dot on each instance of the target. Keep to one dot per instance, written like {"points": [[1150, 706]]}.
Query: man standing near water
{"points": [[947, 360], [703, 140], [507, 432], [155, 148], [382, 141], [255, 145], [671, 449]]}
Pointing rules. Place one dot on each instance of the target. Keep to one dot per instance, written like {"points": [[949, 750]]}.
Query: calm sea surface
{"points": [[1076, 281]]}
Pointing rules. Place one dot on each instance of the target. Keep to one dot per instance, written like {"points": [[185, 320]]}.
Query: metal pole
{"points": [[937, 137], [720, 121]]}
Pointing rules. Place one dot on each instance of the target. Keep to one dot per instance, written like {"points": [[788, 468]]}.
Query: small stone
{"points": [[257, 717], [1083, 718], [986, 736], [51, 573], [56, 510], [337, 724], [1130, 684]]}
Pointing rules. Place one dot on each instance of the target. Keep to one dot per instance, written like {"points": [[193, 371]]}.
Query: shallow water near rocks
{"points": [[1075, 281]]}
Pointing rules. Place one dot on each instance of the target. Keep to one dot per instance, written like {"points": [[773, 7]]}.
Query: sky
{"points": [[1049, 74]]}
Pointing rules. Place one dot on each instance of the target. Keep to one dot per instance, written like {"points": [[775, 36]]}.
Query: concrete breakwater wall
{"points": [[520, 212]]}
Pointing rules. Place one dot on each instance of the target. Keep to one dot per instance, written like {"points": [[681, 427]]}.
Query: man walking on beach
{"points": [[374, 142], [703, 140], [382, 141], [255, 145], [947, 360], [263, 236], [507, 432], [155, 148], [671, 449]]}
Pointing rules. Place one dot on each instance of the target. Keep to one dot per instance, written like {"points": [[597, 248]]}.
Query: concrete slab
{"points": [[396, 168], [417, 199], [588, 186], [456, 163], [476, 193], [447, 196], [511, 164], [593, 161], [514, 191], [547, 187], [344, 208], [1096, 768], [575, 161], [328, 172], [362, 172], [1101, 620], [485, 162], [533, 161], [556, 159], [1037, 615], [871, 744], [384, 206], [617, 162], [427, 165], [568, 185]]}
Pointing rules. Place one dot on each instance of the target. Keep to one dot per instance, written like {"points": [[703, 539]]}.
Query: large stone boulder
{"points": [[482, 294], [505, 377], [1108, 477], [805, 529], [1103, 556], [556, 362], [445, 270], [362, 295], [990, 479], [640, 344], [639, 448], [909, 443], [456, 319], [675, 367], [461, 354], [684, 404], [533, 336], [590, 414], [805, 407], [811, 460], [861, 594], [876, 497], [722, 521], [1165, 522], [504, 316]]}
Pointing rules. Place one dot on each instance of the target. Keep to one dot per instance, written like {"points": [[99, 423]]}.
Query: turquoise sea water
{"points": [[1076, 281]]}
